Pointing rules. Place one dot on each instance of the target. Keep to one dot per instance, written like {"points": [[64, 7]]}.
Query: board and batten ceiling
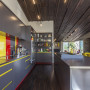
{"points": [[71, 17]]}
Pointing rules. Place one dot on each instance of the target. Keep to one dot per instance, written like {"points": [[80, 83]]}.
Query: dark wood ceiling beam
{"points": [[57, 9], [70, 30], [79, 32], [74, 11], [84, 30], [48, 10], [81, 25], [62, 19], [27, 9]]}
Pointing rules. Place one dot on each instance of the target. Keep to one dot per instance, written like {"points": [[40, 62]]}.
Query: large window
{"points": [[65, 46], [81, 46], [73, 47]]}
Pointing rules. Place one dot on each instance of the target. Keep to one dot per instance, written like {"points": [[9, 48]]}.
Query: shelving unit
{"points": [[43, 44]]}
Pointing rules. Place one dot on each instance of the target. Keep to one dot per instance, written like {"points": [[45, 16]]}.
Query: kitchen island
{"points": [[77, 70]]}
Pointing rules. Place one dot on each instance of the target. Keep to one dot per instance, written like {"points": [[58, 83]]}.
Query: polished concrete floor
{"points": [[42, 78]]}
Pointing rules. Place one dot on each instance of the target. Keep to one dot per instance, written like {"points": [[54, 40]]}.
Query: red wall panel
{"points": [[16, 44], [8, 46]]}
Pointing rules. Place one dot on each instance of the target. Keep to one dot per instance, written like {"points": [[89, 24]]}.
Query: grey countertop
{"points": [[79, 71], [6, 61], [76, 60]]}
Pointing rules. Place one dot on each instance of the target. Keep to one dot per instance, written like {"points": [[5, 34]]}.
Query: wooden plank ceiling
{"points": [[71, 17]]}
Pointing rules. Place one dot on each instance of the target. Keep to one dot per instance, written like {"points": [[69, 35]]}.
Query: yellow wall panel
{"points": [[58, 45], [16, 41], [2, 47]]}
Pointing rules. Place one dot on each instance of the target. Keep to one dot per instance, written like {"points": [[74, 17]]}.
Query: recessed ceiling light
{"points": [[65, 1], [41, 24], [13, 18], [75, 30], [21, 24], [34, 2], [0, 4], [38, 17], [71, 35]]}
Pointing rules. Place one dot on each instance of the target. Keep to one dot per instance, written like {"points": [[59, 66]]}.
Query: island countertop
{"points": [[76, 60]]}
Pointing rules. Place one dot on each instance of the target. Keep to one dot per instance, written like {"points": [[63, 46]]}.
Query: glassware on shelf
{"points": [[41, 40], [49, 35], [49, 40], [41, 50], [45, 35], [41, 36], [37, 35], [37, 40]]}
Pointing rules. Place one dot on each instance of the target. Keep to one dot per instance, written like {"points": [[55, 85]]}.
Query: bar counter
{"points": [[13, 72], [77, 71], [3, 60]]}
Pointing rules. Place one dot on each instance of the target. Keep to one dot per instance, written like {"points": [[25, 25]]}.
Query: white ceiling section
{"points": [[14, 6], [47, 26]]}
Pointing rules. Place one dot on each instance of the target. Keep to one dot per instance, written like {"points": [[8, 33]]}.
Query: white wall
{"points": [[47, 26], [14, 6]]}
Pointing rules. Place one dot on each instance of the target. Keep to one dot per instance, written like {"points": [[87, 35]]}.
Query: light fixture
{"points": [[34, 2], [21, 24], [65, 1], [71, 34], [0, 4], [39, 17], [75, 30], [41, 24], [13, 18]]}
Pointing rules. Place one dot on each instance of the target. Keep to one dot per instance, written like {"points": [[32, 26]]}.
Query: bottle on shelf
{"points": [[49, 35], [38, 35], [41, 50]]}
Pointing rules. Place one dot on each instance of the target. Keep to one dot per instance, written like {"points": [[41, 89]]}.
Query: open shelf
{"points": [[43, 42]]}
